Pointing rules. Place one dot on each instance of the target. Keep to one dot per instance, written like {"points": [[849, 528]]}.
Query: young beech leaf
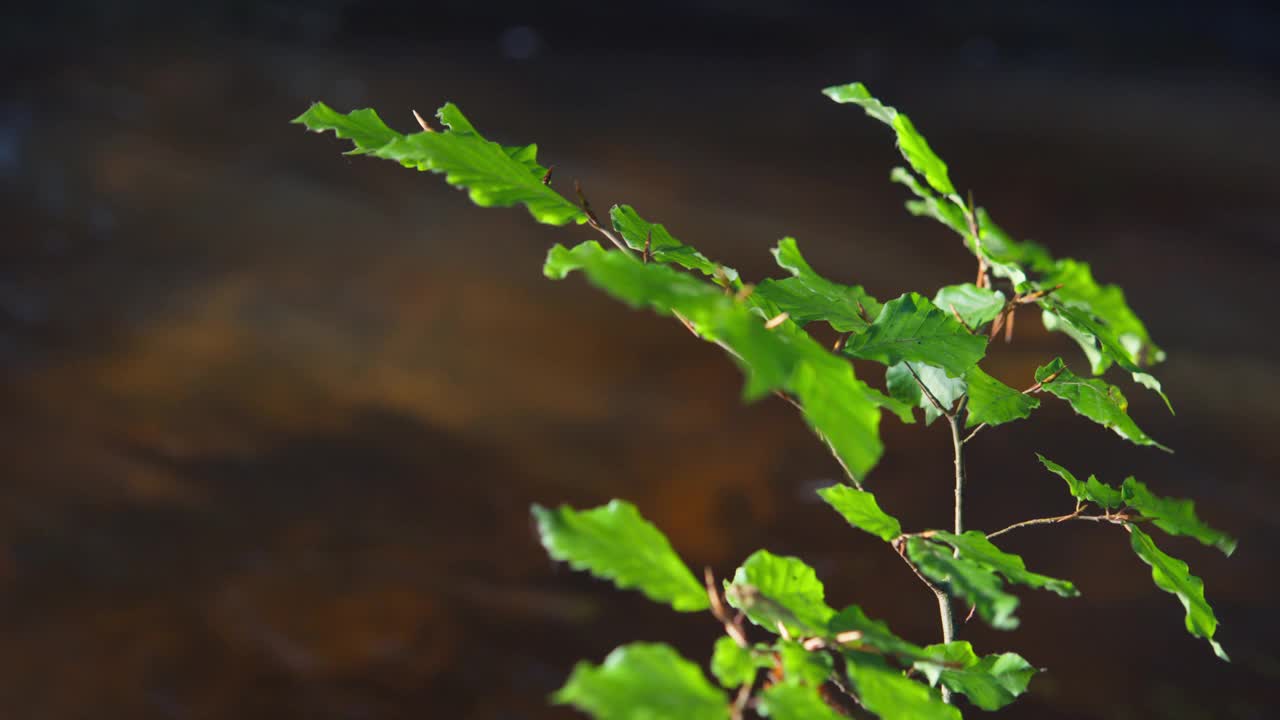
{"points": [[786, 701], [643, 681], [1174, 576], [990, 683], [1106, 303], [801, 666], [975, 546], [903, 385], [614, 542], [734, 665], [844, 410], [994, 403], [912, 329], [886, 692], [1174, 516], [772, 589], [1099, 343], [807, 296], [977, 306], [962, 578], [1094, 491], [929, 204], [1094, 399], [493, 175], [860, 509], [911, 143], [875, 634], [663, 246]]}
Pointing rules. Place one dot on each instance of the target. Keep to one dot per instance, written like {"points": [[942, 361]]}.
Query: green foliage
{"points": [[1174, 576], [772, 589], [807, 296], [912, 329], [643, 681], [1095, 399], [990, 682], [932, 346], [616, 543], [860, 509]]}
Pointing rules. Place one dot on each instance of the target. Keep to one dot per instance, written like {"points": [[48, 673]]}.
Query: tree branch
{"points": [[1114, 518], [928, 393]]}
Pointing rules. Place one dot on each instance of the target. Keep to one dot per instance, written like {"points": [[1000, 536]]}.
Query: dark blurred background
{"points": [[273, 417]]}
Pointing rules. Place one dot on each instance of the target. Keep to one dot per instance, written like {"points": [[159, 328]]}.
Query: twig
{"points": [[594, 222], [1114, 518], [957, 446], [423, 123], [927, 391], [944, 603]]}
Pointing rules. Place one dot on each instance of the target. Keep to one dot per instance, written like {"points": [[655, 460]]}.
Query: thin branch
{"points": [[958, 447], [928, 393], [1114, 518], [944, 602], [594, 222]]}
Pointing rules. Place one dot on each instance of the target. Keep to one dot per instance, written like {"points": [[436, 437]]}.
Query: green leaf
{"points": [[1099, 343], [887, 693], [1174, 516], [732, 664], [912, 329], [614, 542], [962, 578], [1094, 399], [494, 175], [860, 509], [910, 142], [1173, 576], [1106, 303], [903, 386], [929, 204], [990, 683], [663, 246], [1094, 491], [807, 296], [978, 306], [875, 633], [975, 546], [994, 403], [800, 665], [785, 701], [643, 681], [838, 406], [772, 589]]}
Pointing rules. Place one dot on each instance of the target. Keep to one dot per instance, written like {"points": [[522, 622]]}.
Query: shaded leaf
{"points": [[663, 246], [1099, 343], [975, 546], [1094, 491], [994, 403], [1174, 576], [492, 174], [1095, 399], [785, 701], [978, 306], [643, 681], [902, 385], [860, 509], [886, 692], [912, 329], [834, 402], [807, 296], [962, 578], [1174, 516], [875, 633], [771, 589], [910, 142], [990, 683], [1107, 303], [614, 542]]}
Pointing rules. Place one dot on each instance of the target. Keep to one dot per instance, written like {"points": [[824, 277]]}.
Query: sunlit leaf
{"points": [[910, 142], [807, 296], [1107, 303], [771, 589], [492, 174], [977, 306], [786, 701], [970, 581], [1094, 491], [1095, 399], [663, 246], [990, 682], [1099, 342], [874, 633], [903, 385], [643, 681], [614, 542], [802, 666], [889, 694], [994, 403], [1174, 516], [1174, 576], [734, 665], [975, 546], [912, 329], [860, 509]]}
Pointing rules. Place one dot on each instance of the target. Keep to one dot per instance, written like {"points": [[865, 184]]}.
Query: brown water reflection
{"points": [[274, 418]]}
